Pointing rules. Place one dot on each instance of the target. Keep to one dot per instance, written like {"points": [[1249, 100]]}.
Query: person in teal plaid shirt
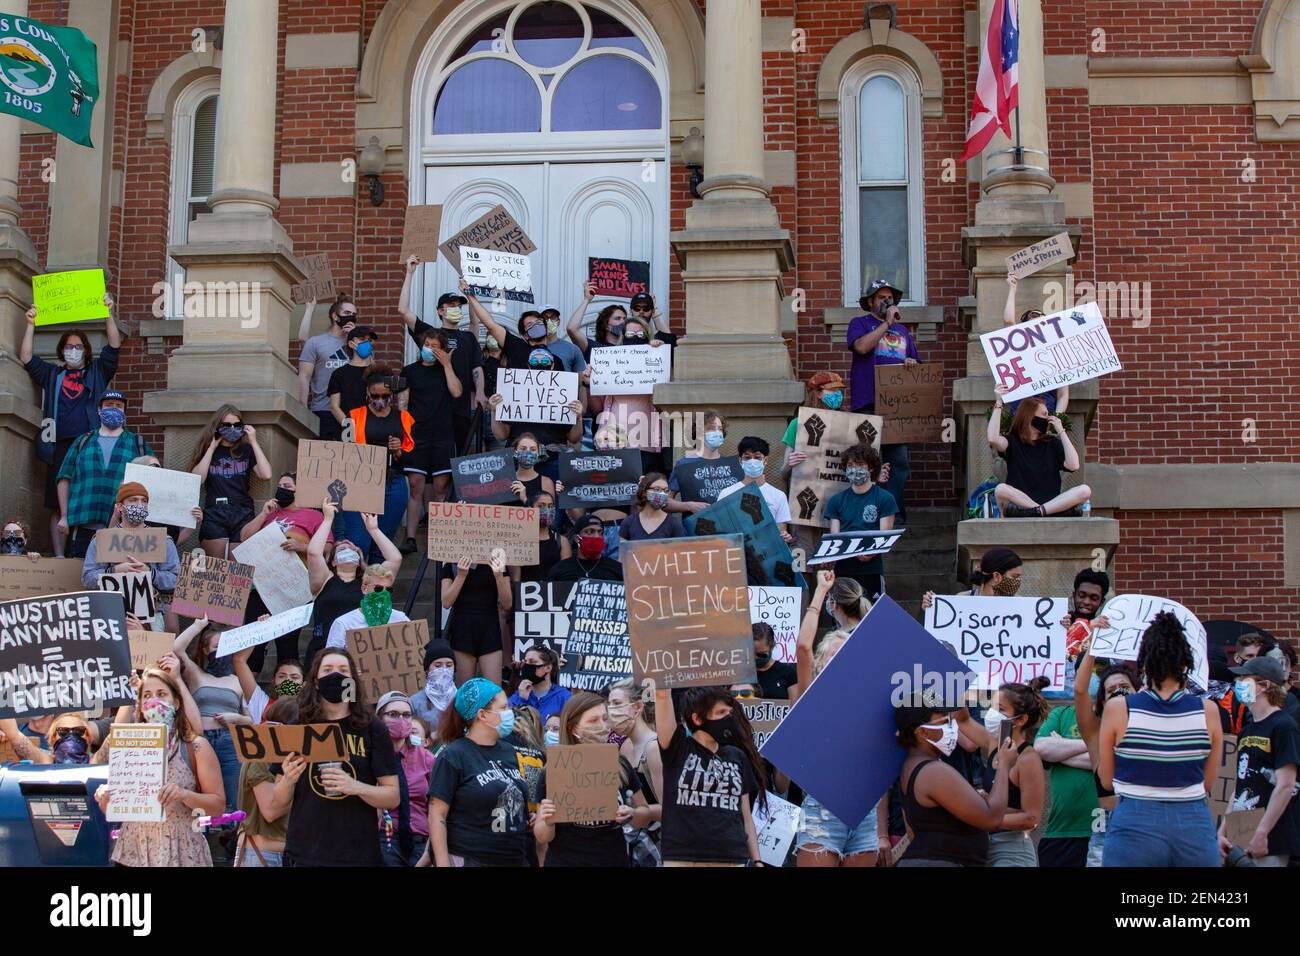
{"points": [[93, 471]]}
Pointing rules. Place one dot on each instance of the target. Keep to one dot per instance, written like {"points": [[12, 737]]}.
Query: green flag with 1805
{"points": [[48, 75]]}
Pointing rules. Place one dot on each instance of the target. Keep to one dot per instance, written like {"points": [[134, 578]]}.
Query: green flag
{"points": [[48, 75]]}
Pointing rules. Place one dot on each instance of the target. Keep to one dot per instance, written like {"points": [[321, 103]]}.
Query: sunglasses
{"points": [[381, 587], [234, 424], [376, 398], [70, 732]]}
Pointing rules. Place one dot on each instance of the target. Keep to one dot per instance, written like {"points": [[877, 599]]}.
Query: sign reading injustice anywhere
{"points": [[1003, 639], [137, 770], [1042, 355], [910, 399], [213, 587], [764, 716], [597, 651], [599, 479], [701, 479], [1040, 255], [353, 476], [542, 616], [21, 577], [1130, 615], [319, 284], [173, 495], [389, 657], [259, 632], [621, 278], [688, 611], [630, 369], [273, 743], [582, 781], [778, 608], [69, 296], [459, 530], [136, 589], [484, 479], [822, 435], [491, 272], [534, 395], [420, 233], [854, 544], [496, 229]]}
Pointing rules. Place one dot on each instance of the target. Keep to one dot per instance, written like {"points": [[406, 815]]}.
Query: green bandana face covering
{"points": [[287, 688], [377, 607]]}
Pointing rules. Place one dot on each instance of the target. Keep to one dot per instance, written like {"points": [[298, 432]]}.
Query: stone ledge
{"points": [[1196, 487], [1043, 532]]}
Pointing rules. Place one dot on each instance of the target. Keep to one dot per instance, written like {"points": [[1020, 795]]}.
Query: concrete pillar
{"points": [[733, 146], [245, 161]]}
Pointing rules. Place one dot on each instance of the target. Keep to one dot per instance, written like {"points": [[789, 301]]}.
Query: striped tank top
{"points": [[1163, 752]]}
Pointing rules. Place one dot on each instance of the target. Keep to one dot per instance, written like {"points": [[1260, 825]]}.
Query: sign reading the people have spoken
{"points": [[352, 476], [259, 632], [491, 272], [273, 743], [1040, 255], [542, 616], [702, 479], [459, 530], [1044, 354], [534, 395], [599, 479], [173, 495], [1003, 639], [319, 284], [137, 770], [597, 651], [136, 589], [146, 545], [822, 435], [67, 652], [21, 577], [213, 588], [496, 229], [764, 717], [280, 576], [484, 479], [582, 781], [630, 369], [620, 278], [148, 647], [778, 608], [1130, 615], [389, 657], [910, 400], [854, 544], [688, 611], [69, 296]]}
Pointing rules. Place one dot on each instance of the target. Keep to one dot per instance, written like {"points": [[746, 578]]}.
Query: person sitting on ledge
{"points": [[1037, 450]]}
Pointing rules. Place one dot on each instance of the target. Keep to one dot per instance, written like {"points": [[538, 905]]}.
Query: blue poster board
{"points": [[745, 512]]}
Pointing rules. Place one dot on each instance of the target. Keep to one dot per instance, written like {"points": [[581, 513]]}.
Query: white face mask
{"points": [[346, 556], [73, 355], [948, 742], [993, 721]]}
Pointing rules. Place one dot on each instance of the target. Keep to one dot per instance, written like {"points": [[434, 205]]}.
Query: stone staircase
{"points": [[925, 558]]}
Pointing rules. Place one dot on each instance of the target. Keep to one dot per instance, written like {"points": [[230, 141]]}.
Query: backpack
{"points": [[982, 504]]}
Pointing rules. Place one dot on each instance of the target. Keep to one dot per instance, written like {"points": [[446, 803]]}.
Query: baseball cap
{"points": [[363, 332], [589, 520], [642, 299], [111, 395], [1269, 668], [550, 308], [449, 297], [388, 698]]}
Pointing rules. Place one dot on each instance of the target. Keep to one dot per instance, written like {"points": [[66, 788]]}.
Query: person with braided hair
{"points": [[1160, 750]]}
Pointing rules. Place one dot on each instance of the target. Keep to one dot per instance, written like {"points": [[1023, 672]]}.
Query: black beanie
{"points": [[435, 650]]}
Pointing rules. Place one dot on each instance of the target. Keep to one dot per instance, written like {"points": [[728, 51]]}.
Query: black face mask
{"points": [[330, 687], [529, 672], [1041, 423], [723, 730], [11, 544], [220, 666], [283, 497]]}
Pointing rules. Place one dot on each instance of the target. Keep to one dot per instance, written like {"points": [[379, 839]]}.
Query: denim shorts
{"points": [[1161, 833], [818, 826], [1011, 848]]}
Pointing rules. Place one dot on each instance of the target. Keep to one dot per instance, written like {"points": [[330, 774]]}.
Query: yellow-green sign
{"points": [[69, 296]]}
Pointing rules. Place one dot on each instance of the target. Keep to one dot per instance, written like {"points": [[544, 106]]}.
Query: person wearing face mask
{"points": [[262, 831], [528, 481], [376, 607], [92, 472], [323, 355], [477, 595], [999, 574], [1037, 450], [588, 560], [432, 389], [478, 798], [863, 506], [70, 739], [753, 462], [635, 413], [552, 548], [14, 537], [537, 688], [610, 322], [381, 422], [631, 717], [131, 510], [553, 438], [226, 458], [1056, 401], [585, 720], [694, 483], [286, 681], [569, 353], [651, 520], [347, 384], [777, 680], [431, 701], [404, 835], [822, 390], [72, 387]]}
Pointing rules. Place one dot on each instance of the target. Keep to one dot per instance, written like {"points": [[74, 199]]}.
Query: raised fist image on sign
{"points": [[338, 490]]}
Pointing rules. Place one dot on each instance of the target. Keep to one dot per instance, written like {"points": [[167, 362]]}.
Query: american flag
{"points": [[997, 89]]}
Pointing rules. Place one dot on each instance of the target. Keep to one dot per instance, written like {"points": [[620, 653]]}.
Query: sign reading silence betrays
{"points": [[1004, 640], [1131, 614], [1043, 354], [822, 436]]}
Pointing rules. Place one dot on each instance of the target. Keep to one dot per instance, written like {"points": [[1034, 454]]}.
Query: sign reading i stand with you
{"points": [[535, 395], [353, 476], [1042, 355], [490, 272], [1003, 639], [630, 369], [484, 479], [597, 651], [599, 479], [621, 278]]}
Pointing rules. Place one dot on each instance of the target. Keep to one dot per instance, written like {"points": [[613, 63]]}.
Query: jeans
{"points": [[392, 853], [900, 469], [1161, 833], [1011, 848], [223, 745], [269, 858], [819, 827], [395, 497]]}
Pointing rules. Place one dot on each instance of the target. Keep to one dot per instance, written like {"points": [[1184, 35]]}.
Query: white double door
{"points": [[570, 210]]}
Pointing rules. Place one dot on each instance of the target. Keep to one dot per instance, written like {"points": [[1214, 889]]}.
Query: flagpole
{"points": [[1020, 149]]}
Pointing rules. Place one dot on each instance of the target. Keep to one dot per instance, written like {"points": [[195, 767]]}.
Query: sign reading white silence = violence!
{"points": [[854, 544], [1003, 639], [1044, 354], [630, 369], [532, 395]]}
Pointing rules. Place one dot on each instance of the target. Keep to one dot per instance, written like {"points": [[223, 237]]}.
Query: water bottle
{"points": [[1086, 509]]}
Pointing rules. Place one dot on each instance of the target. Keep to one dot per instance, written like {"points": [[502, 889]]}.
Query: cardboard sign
{"points": [[280, 576], [136, 588], [823, 436], [492, 273], [619, 278], [776, 822], [213, 588], [496, 229], [461, 530], [597, 651], [1003, 639], [353, 476], [273, 743], [888, 658], [764, 717], [69, 296], [533, 395], [146, 545], [137, 770], [745, 513], [779, 608], [21, 577], [541, 613], [259, 632], [688, 611], [1239, 826], [630, 369], [319, 284], [1225, 782], [910, 399], [390, 657], [68, 652], [582, 780], [420, 233], [854, 544], [1130, 615], [599, 479], [1043, 354], [147, 647], [484, 479], [701, 479], [173, 495], [1040, 255]]}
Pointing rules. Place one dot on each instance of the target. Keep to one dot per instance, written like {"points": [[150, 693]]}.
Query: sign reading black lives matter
{"points": [[702, 479], [66, 652], [534, 395], [541, 615], [599, 479], [484, 479], [597, 651]]}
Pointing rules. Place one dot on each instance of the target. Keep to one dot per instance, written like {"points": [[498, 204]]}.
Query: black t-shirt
{"points": [[1035, 468], [516, 353], [348, 382], [334, 599], [575, 569], [703, 813], [429, 401], [465, 357], [479, 592], [341, 831], [379, 428], [487, 798], [1263, 748], [229, 475], [594, 844], [777, 680], [548, 555]]}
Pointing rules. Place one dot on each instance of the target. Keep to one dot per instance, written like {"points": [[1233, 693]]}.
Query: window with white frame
{"points": [[883, 210], [194, 159]]}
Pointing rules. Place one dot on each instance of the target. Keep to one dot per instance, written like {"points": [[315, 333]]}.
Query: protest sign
{"points": [[148, 646], [1043, 354], [630, 369], [854, 544], [461, 530], [353, 476], [21, 577], [259, 632], [213, 588], [146, 545], [910, 400], [823, 436], [319, 284], [688, 611], [67, 652], [389, 657], [280, 576], [542, 616], [173, 495], [69, 296], [779, 609], [745, 513], [1225, 782], [137, 770], [764, 717], [273, 743], [582, 781], [52, 75], [620, 278], [776, 822], [136, 588], [700, 479], [1129, 616], [495, 229], [599, 479], [533, 395], [492, 273], [1003, 639], [420, 233], [888, 658], [1040, 255], [484, 479], [596, 651], [1239, 826]]}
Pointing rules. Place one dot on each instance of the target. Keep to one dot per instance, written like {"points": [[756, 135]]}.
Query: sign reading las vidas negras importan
{"points": [[48, 75]]}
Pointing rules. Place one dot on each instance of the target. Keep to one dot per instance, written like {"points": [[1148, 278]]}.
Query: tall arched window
{"points": [[883, 203], [194, 159]]}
